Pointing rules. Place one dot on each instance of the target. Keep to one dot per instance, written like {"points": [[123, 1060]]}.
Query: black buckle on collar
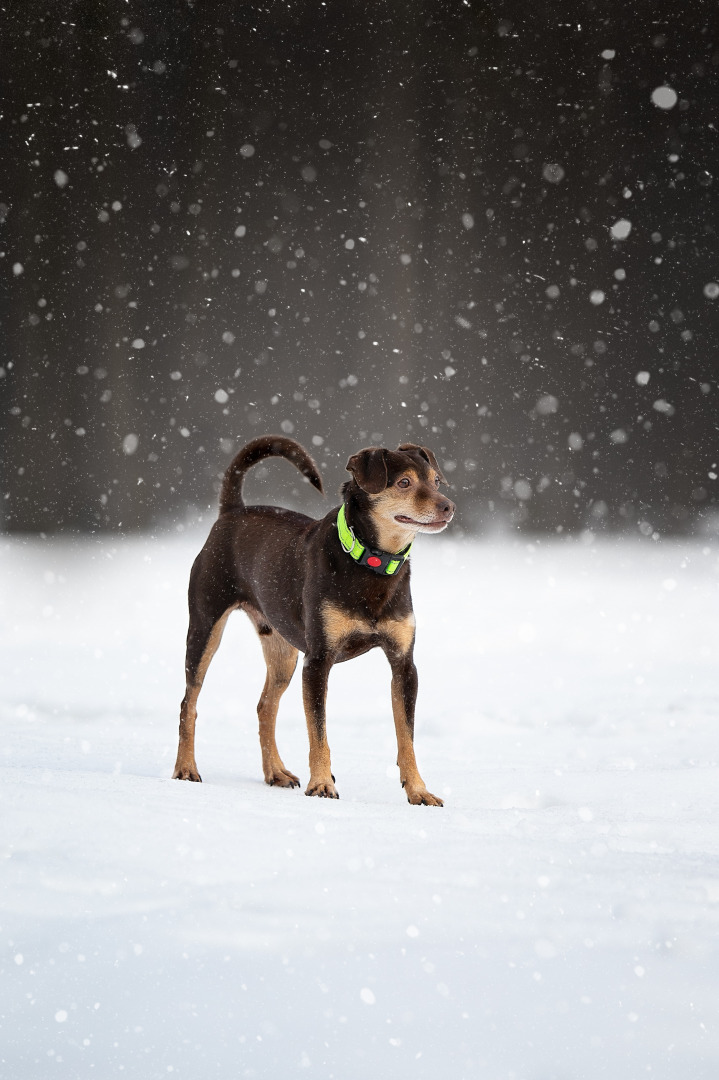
{"points": [[376, 560]]}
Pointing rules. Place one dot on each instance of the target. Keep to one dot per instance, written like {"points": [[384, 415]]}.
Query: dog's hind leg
{"points": [[203, 638], [281, 660]]}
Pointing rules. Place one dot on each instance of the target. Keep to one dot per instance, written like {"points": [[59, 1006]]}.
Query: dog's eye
{"points": [[403, 483], [437, 481]]}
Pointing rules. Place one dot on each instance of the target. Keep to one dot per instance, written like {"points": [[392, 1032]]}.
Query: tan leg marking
{"points": [[399, 631], [411, 781], [185, 766], [322, 782], [281, 660]]}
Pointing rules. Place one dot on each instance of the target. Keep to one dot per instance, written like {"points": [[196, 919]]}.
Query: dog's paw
{"points": [[323, 789], [282, 778], [422, 797], [187, 772]]}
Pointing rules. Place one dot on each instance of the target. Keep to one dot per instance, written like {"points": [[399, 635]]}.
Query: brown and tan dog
{"points": [[331, 589]]}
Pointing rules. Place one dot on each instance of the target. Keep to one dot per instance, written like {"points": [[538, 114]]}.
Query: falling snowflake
{"points": [[664, 97], [621, 229]]}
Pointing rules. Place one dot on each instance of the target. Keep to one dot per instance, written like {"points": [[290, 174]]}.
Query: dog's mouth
{"points": [[426, 526]]}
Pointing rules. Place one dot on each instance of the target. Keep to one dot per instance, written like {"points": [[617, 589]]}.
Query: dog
{"points": [[331, 588]]}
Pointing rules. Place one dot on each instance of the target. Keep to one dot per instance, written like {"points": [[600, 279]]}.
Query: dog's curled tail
{"points": [[255, 451]]}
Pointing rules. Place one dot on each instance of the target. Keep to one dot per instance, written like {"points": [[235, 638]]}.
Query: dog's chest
{"points": [[348, 632]]}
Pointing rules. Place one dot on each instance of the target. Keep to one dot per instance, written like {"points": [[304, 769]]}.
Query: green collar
{"points": [[382, 562]]}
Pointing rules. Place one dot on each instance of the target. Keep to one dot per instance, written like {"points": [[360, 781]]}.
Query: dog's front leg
{"points": [[315, 673], [404, 696]]}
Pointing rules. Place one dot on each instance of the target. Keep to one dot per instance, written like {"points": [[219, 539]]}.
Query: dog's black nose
{"points": [[446, 508]]}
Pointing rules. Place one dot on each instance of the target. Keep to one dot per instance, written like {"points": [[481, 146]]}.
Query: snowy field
{"points": [[556, 920]]}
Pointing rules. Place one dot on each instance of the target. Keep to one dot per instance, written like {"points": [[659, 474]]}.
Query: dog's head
{"points": [[402, 489]]}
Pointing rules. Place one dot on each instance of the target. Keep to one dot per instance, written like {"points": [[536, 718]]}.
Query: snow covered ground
{"points": [[556, 920]]}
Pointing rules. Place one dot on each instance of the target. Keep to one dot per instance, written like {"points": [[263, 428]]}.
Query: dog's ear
{"points": [[427, 454], [369, 469]]}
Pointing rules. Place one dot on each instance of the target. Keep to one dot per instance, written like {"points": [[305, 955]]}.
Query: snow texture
{"points": [[556, 920]]}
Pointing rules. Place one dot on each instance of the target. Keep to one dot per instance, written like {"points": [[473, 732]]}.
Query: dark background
{"points": [[360, 223]]}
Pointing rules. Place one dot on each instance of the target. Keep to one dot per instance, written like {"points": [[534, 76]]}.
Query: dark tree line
{"points": [[467, 224]]}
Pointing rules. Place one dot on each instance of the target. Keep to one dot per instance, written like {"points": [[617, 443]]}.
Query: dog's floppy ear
{"points": [[369, 469], [427, 454]]}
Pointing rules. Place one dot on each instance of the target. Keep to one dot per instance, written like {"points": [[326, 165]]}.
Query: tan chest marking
{"points": [[340, 625]]}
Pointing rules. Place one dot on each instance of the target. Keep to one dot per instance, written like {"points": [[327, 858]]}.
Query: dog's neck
{"points": [[368, 528]]}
